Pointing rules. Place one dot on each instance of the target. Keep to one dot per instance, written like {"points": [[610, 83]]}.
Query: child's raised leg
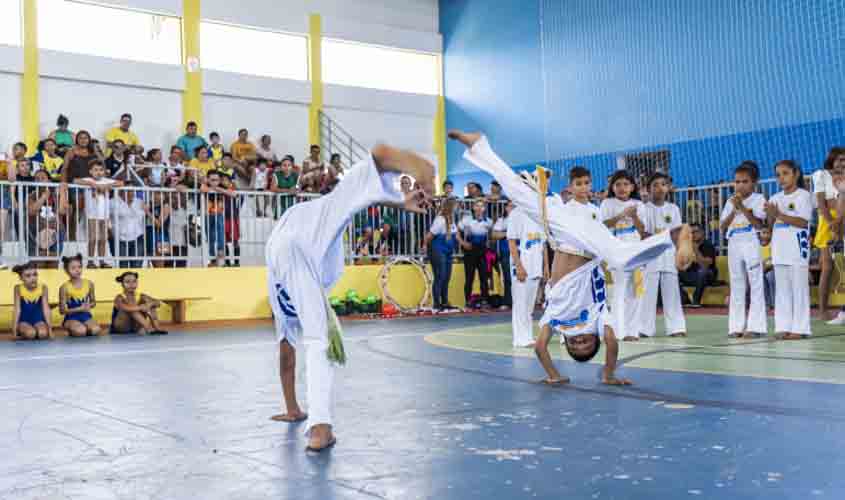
{"points": [[541, 349]]}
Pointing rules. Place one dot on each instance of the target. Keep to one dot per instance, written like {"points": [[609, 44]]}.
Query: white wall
{"points": [[10, 118]]}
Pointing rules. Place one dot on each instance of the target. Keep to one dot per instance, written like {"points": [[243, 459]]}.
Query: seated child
{"points": [[31, 316], [134, 312]]}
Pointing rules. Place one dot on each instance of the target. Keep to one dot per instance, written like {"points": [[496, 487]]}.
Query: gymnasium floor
{"points": [[427, 408]]}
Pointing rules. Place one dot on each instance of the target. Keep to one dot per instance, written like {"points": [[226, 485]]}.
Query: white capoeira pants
{"points": [[744, 258], [792, 300], [673, 312], [568, 229], [304, 260], [626, 307], [524, 295]]}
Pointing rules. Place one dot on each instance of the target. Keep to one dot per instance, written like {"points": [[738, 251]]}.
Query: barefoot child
{"points": [[31, 316], [788, 214], [134, 312], [662, 215], [77, 299], [576, 295], [305, 258], [742, 216], [623, 213]]}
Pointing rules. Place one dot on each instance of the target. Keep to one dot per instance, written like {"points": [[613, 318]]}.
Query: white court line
{"points": [[189, 348]]}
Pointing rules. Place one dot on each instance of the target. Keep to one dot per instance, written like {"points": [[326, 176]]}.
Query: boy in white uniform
{"points": [[527, 243], [662, 273], [576, 298], [305, 259], [742, 215], [789, 214]]}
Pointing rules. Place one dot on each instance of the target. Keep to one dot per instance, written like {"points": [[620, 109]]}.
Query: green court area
{"points": [[706, 349]]}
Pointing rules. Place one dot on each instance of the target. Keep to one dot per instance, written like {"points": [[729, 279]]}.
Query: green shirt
{"points": [[286, 182]]}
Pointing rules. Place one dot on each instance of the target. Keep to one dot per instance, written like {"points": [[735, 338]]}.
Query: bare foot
{"points": [[468, 139], [678, 334], [555, 380], [406, 162], [685, 254], [792, 336], [630, 338], [290, 417], [321, 438]]}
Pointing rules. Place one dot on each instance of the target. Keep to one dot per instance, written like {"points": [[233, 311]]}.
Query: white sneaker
{"points": [[839, 320]]}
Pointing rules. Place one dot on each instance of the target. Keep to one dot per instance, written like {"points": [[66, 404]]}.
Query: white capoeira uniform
{"points": [[530, 239], [576, 303], [565, 227], [662, 273], [305, 259], [744, 258], [626, 304], [791, 258]]}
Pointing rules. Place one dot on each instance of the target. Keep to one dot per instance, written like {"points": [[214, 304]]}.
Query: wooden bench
{"points": [[176, 304]]}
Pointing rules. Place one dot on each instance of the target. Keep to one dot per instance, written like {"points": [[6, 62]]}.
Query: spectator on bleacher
{"points": [[830, 221], [201, 163], [328, 180], [128, 225], [310, 182], [158, 227], [474, 191], [242, 150], [265, 150], [176, 169], [216, 199], [19, 151], [180, 209], [155, 171], [495, 192], [241, 172], [191, 141], [46, 208], [48, 158], [122, 133], [313, 163], [335, 162], [285, 179], [215, 149], [231, 224], [23, 172], [448, 189], [703, 272], [118, 159], [63, 137], [259, 183]]}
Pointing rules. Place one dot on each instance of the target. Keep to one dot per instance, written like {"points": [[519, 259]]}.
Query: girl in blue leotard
{"points": [[31, 316], [77, 299], [134, 312]]}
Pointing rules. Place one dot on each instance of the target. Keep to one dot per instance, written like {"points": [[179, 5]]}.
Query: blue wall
{"points": [[581, 81]]}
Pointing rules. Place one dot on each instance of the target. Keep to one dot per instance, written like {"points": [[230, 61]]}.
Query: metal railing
{"points": [[334, 139], [184, 227]]}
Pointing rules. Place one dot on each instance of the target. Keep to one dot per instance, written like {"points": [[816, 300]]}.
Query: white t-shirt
{"points": [[531, 241], [127, 219], [96, 203], [438, 226], [823, 183], [158, 172], [260, 180], [585, 210], [475, 230], [791, 245], [741, 230], [665, 217], [624, 229]]}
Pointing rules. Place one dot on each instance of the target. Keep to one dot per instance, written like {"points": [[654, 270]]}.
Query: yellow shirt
{"points": [[53, 166], [128, 138], [242, 150], [202, 166], [216, 152]]}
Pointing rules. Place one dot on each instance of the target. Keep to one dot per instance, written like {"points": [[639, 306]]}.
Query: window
{"points": [[10, 22], [358, 65], [253, 52], [96, 30]]}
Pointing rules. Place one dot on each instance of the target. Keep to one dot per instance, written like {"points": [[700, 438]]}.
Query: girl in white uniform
{"points": [[789, 213], [742, 215], [305, 259], [623, 213], [527, 242], [662, 216]]}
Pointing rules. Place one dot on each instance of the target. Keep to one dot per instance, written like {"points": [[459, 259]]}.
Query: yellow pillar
{"points": [[315, 74], [440, 131], [192, 95], [30, 112]]}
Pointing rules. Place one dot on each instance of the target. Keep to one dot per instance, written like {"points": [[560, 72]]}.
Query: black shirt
{"points": [[113, 165], [707, 250]]}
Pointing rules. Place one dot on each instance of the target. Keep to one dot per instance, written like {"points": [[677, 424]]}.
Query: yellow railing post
{"points": [[30, 111], [315, 74], [192, 94], [440, 131]]}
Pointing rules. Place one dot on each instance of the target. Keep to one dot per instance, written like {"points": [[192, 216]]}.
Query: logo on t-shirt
{"points": [[667, 218], [595, 217], [791, 207]]}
